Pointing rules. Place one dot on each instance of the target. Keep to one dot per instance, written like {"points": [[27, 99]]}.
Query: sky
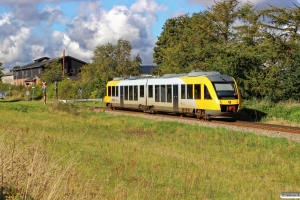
{"points": [[30, 29]]}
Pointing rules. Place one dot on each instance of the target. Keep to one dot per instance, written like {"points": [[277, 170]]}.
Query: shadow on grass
{"points": [[8, 194], [246, 114], [9, 101]]}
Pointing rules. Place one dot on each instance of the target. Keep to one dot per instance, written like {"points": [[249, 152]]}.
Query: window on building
{"points": [[150, 91], [183, 91], [130, 93], [206, 93], [142, 92], [126, 92], [135, 92], [197, 91], [169, 93], [157, 93]]}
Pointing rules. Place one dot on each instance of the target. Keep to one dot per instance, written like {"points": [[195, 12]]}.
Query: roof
{"points": [[9, 74], [42, 61]]}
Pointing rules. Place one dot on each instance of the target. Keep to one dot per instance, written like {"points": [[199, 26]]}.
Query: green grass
{"points": [[285, 113], [120, 157]]}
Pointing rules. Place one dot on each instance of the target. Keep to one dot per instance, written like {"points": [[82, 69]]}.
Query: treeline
{"points": [[260, 48], [109, 61]]}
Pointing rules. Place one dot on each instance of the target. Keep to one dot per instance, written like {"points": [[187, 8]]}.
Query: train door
{"points": [[121, 96], [208, 101], [175, 97]]}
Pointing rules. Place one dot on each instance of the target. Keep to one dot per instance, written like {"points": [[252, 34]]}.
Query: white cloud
{"points": [[5, 19], [25, 34], [12, 46]]}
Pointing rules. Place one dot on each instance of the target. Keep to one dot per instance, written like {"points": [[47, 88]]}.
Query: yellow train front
{"points": [[202, 94]]}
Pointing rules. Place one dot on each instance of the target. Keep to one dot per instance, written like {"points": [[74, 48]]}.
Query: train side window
{"points": [[130, 93], [206, 93], [150, 91], [106, 91], [189, 91], [126, 92], [109, 91], [117, 91], [142, 91], [163, 93], [197, 91], [183, 91], [157, 93], [113, 91], [135, 92], [169, 93]]}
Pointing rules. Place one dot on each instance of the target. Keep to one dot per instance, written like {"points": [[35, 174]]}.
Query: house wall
{"points": [[8, 79]]}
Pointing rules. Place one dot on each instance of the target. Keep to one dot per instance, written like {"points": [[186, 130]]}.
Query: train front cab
{"points": [[222, 98], [213, 97]]}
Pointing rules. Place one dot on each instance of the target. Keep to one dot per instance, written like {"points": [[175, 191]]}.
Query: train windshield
{"points": [[226, 90]]}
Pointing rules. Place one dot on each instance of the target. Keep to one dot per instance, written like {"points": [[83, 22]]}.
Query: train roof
{"points": [[213, 76]]}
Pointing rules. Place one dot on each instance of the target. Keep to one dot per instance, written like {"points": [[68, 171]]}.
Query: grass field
{"points": [[63, 152]]}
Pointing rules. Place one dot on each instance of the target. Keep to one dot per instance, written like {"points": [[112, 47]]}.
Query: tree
{"points": [[109, 61], [1, 70], [14, 68], [52, 72]]}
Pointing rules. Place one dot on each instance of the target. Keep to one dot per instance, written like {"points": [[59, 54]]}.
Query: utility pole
{"points": [[56, 88], [44, 91]]}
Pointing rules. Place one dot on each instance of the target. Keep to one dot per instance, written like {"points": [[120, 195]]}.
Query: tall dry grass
{"points": [[28, 172]]}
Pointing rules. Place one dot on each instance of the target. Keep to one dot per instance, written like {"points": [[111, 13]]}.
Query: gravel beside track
{"points": [[289, 136]]}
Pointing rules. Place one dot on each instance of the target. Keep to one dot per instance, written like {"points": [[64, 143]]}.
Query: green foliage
{"points": [[235, 39], [1, 70], [53, 72], [109, 61], [266, 110]]}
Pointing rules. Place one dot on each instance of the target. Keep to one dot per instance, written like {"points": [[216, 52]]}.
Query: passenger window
{"points": [[169, 93], [109, 91], [130, 93], [113, 91], [135, 92], [183, 91], [142, 93], [126, 92], [189, 91], [197, 91], [206, 93], [157, 93], [150, 91], [163, 93], [117, 91]]}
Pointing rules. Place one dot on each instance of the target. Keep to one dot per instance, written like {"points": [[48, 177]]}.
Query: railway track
{"points": [[243, 124]]}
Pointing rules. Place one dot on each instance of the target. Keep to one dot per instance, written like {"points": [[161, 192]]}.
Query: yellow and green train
{"points": [[202, 94]]}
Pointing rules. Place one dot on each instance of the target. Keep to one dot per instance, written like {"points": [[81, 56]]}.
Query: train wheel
{"points": [[198, 114], [152, 111], [206, 118]]}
